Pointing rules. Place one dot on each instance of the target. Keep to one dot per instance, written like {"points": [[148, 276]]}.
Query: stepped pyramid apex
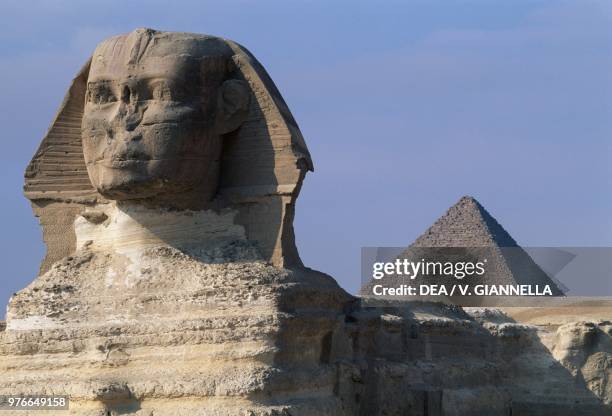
{"points": [[469, 198], [466, 224]]}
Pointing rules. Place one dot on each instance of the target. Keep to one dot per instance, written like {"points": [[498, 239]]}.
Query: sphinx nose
{"points": [[128, 116], [133, 109], [133, 119]]}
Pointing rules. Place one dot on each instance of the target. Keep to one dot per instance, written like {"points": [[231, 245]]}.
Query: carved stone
{"points": [[166, 189], [171, 120]]}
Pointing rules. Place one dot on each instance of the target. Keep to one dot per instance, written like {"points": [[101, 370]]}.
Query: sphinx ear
{"points": [[233, 105]]}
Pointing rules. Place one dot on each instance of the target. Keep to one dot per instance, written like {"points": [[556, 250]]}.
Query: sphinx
{"points": [[166, 189]]}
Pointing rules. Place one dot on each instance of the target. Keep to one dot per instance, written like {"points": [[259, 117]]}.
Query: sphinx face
{"points": [[149, 124]]}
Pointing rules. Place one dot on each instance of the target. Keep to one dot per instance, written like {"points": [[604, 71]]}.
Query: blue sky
{"points": [[405, 106]]}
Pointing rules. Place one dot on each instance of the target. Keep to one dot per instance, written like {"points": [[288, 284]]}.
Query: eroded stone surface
{"points": [[171, 120], [199, 333]]}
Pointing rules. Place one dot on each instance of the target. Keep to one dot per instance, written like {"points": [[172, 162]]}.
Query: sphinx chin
{"points": [[131, 187]]}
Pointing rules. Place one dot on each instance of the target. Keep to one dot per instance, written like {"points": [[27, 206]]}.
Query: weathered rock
{"points": [[165, 188], [214, 338], [200, 105]]}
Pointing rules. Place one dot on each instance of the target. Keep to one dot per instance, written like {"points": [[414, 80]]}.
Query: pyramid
{"points": [[468, 224], [468, 232]]}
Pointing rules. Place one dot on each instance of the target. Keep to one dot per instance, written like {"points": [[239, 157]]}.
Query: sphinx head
{"points": [[157, 106], [171, 120]]}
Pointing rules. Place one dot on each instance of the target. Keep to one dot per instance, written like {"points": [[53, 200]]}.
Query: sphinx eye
{"points": [[166, 91], [100, 94], [161, 91]]}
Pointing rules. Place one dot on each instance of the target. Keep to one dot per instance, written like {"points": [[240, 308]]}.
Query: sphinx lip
{"points": [[123, 163]]}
